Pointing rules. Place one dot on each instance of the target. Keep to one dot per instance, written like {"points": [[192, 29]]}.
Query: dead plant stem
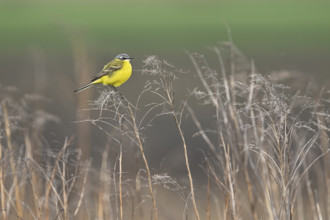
{"points": [[137, 135], [12, 161]]}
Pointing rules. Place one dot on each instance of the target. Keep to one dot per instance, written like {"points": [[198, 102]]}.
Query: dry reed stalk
{"points": [[137, 135], [115, 189], [33, 178], [259, 138], [64, 190], [12, 162], [121, 171], [230, 170], [214, 99], [251, 196], [311, 197], [321, 122], [50, 185], [2, 186], [328, 191], [102, 190], [82, 191], [226, 209], [169, 92], [318, 209], [250, 193], [187, 164]]}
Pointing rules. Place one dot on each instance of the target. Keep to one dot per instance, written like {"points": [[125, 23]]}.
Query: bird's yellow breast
{"points": [[118, 77]]}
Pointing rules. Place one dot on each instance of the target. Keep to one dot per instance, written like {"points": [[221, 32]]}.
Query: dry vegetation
{"points": [[266, 152]]}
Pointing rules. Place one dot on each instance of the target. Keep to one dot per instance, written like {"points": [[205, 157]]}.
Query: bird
{"points": [[114, 73]]}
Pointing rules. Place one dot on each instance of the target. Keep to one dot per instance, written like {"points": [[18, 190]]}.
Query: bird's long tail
{"points": [[84, 87]]}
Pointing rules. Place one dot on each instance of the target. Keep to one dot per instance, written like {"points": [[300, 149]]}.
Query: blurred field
{"points": [[277, 34], [166, 25], [64, 169]]}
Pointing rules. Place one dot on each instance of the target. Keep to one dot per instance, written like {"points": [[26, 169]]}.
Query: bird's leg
{"points": [[113, 88], [120, 96]]}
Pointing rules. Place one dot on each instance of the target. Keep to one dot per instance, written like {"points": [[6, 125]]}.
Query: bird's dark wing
{"points": [[108, 69]]}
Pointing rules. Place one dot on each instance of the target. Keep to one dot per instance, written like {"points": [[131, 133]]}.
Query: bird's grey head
{"points": [[123, 56]]}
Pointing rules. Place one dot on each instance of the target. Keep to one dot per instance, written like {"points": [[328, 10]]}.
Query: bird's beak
{"points": [[130, 58]]}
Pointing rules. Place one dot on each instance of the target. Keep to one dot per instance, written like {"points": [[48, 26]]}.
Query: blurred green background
{"points": [[38, 41], [276, 34]]}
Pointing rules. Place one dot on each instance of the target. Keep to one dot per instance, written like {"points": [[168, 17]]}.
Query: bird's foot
{"points": [[117, 93], [113, 88]]}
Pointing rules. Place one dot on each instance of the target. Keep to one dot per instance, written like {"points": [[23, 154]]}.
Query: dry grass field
{"points": [[263, 140]]}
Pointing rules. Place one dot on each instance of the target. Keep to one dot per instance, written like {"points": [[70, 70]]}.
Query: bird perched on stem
{"points": [[115, 73]]}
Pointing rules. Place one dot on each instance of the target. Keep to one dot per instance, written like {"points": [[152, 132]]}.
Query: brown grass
{"points": [[265, 152]]}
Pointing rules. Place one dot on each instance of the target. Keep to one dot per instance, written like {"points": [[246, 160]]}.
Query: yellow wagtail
{"points": [[115, 73]]}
